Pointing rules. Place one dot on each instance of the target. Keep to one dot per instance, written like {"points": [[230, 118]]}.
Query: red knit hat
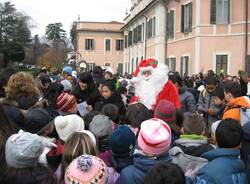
{"points": [[65, 102], [146, 64], [165, 111]]}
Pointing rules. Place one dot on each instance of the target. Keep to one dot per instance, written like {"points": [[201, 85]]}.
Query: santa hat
{"points": [[146, 65]]}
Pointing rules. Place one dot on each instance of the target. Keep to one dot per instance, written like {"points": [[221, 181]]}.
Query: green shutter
{"points": [[213, 12], [182, 18], [190, 9], [172, 23]]}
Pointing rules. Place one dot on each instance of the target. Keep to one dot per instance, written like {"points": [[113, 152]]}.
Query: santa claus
{"points": [[152, 84]]}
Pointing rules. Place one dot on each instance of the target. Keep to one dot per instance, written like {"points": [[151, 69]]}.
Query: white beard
{"points": [[148, 90]]}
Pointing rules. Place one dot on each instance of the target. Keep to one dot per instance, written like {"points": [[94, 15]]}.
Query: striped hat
{"points": [[65, 102], [154, 137]]}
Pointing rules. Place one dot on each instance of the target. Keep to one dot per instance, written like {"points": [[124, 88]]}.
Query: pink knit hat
{"points": [[154, 137], [86, 169]]}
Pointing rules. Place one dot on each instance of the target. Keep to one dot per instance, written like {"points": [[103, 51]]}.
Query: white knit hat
{"points": [[66, 125]]}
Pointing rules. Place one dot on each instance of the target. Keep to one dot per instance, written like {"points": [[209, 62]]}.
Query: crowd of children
{"points": [[81, 129]]}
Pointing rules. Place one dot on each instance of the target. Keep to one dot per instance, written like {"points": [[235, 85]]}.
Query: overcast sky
{"points": [[44, 12]]}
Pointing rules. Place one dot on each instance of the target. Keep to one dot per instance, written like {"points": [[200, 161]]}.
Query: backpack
{"points": [[245, 121]]}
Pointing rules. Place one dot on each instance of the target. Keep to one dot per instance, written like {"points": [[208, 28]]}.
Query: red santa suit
{"points": [[152, 84]]}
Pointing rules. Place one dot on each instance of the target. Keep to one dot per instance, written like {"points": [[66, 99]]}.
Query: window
{"points": [[89, 44], [135, 35], [186, 18], [108, 64], [126, 41], [142, 58], [119, 45], [184, 65], [220, 11], [143, 32], [170, 24], [130, 36], [136, 62], [132, 67], [139, 33], [171, 62], [221, 64], [91, 66], [149, 29], [107, 44], [153, 27], [120, 68]]}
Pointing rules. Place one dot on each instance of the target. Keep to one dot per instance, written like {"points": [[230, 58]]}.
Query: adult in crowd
{"points": [[86, 90]]}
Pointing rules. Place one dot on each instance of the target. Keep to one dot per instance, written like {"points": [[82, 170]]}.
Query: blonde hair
{"points": [[21, 84], [77, 144]]}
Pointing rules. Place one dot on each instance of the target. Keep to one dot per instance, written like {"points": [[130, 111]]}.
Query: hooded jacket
{"points": [[188, 104], [232, 109], [224, 167], [134, 174]]}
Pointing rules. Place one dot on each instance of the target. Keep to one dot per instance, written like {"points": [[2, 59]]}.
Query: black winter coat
{"points": [[91, 96]]}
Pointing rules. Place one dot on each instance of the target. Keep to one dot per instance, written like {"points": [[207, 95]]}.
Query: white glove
{"points": [[49, 142]]}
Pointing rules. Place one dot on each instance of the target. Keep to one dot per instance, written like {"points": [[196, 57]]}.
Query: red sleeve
{"points": [[169, 93]]}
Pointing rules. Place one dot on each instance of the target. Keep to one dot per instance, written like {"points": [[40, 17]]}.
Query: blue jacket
{"points": [[224, 167], [134, 174]]}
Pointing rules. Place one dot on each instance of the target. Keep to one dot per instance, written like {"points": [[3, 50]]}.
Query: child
{"points": [[38, 121], [109, 95], [165, 111], [219, 101], [191, 144], [154, 141], [165, 173], [112, 112], [86, 169], [235, 100], [224, 164], [22, 153], [65, 126], [67, 104], [101, 127], [206, 103], [77, 144], [135, 115], [122, 143], [87, 118]]}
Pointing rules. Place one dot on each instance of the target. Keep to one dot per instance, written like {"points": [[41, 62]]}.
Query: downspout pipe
{"points": [[246, 37], [145, 36]]}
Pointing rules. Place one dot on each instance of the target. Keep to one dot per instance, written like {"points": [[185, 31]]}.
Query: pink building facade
{"points": [[101, 44], [191, 36]]}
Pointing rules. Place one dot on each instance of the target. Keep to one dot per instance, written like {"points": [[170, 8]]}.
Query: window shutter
{"points": [[182, 18], [213, 12], [190, 9], [85, 44], [182, 58], [168, 24], [93, 45], [117, 45], [173, 64], [171, 23]]}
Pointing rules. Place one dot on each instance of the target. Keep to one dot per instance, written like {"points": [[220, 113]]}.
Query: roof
{"points": [[111, 22]]}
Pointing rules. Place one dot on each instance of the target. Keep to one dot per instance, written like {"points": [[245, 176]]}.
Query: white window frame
{"points": [[189, 62], [172, 57], [228, 60]]}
